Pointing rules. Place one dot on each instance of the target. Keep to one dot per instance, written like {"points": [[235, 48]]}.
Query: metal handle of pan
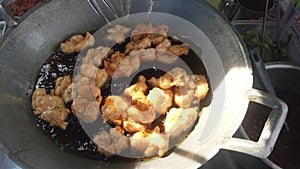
{"points": [[230, 8], [8, 19], [264, 146]]}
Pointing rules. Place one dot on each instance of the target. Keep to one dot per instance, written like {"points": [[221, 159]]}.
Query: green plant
{"points": [[253, 39]]}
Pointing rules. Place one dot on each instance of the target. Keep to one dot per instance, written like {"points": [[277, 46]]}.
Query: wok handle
{"points": [[9, 20], [230, 8], [264, 146]]}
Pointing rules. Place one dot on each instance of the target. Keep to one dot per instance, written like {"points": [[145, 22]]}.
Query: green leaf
{"points": [[269, 40], [283, 52], [288, 39], [254, 32]]}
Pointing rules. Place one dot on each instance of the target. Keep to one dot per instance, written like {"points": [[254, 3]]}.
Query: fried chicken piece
{"points": [[114, 109], [164, 82], [120, 142], [132, 127], [164, 45], [50, 108], [195, 89], [162, 30], [76, 43], [184, 97], [175, 77], [120, 129], [62, 84], [165, 56], [102, 140], [142, 30], [201, 87], [95, 56], [127, 67], [86, 102], [88, 70], [131, 46], [144, 43], [85, 109], [67, 96], [112, 64], [161, 100], [41, 101], [145, 55], [137, 45], [179, 76], [80, 80], [56, 117], [156, 35], [89, 92], [150, 144], [111, 143], [160, 34], [101, 77], [179, 121], [141, 113], [180, 50], [157, 38], [63, 88], [117, 33], [136, 92], [37, 94]]}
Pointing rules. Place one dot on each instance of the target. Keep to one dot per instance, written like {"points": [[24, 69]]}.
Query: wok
{"points": [[27, 46]]}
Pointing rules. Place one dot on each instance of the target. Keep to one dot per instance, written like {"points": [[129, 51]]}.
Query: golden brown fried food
{"points": [[141, 31], [184, 97], [63, 88], [101, 77], [175, 77], [95, 56], [88, 70], [157, 35], [89, 92], [161, 100], [150, 144], [201, 87], [117, 33], [165, 56], [56, 117], [50, 108], [41, 101], [114, 109], [85, 109], [112, 64], [132, 127], [145, 55], [180, 50], [86, 102], [95, 76], [141, 113], [136, 92], [76, 43], [165, 45], [179, 120], [137, 45], [127, 67], [111, 143]]}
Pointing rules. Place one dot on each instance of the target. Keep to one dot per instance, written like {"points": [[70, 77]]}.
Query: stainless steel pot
{"points": [[27, 46], [245, 10]]}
